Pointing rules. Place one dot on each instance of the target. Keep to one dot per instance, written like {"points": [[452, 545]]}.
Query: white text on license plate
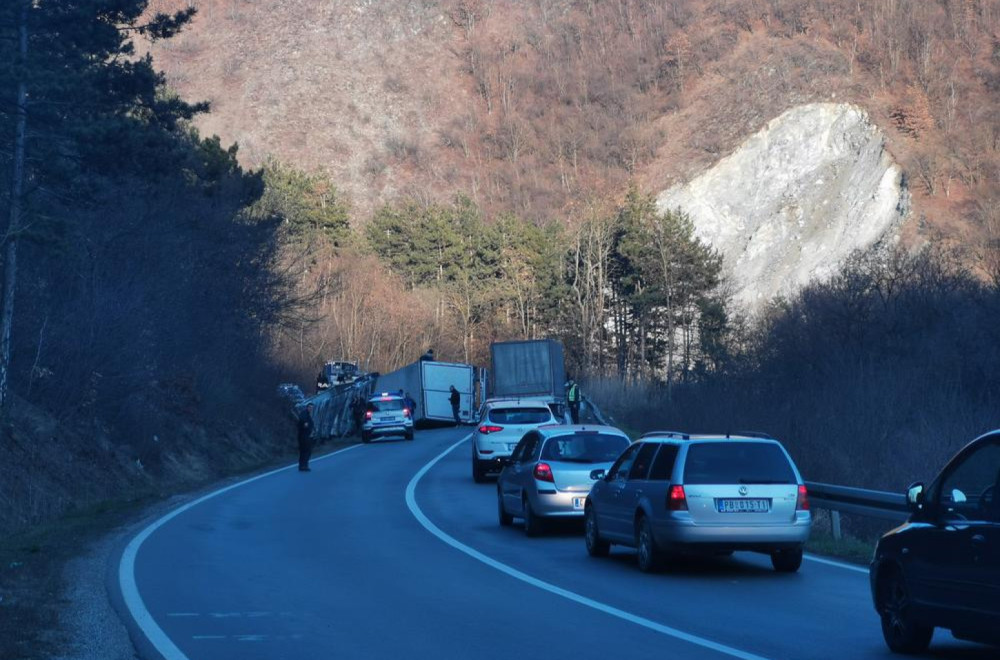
{"points": [[578, 502], [744, 505]]}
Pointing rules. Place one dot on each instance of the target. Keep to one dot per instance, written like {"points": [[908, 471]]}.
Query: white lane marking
{"points": [[208, 636], [838, 564], [183, 614], [126, 569], [415, 509]]}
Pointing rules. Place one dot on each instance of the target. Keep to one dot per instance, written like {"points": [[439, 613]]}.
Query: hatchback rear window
{"points": [[584, 448], [737, 463], [385, 406], [520, 415]]}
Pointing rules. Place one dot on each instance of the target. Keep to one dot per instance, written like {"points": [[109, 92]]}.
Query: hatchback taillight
{"points": [[802, 503], [406, 412], [676, 499], [486, 429], [368, 414], [543, 472]]}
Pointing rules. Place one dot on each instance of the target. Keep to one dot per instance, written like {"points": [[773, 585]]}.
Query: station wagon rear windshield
{"points": [[584, 448], [737, 463], [385, 406], [520, 415]]}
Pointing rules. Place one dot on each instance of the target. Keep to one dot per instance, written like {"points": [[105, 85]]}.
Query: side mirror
{"points": [[597, 474], [915, 496]]}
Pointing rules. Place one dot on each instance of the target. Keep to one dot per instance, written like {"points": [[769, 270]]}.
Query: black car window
{"points": [[737, 463], [640, 468], [584, 447], [968, 490], [663, 464], [526, 448], [520, 415], [622, 466]]}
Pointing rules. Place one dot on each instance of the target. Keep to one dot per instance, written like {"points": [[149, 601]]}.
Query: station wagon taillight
{"points": [[486, 429], [802, 503], [543, 472], [676, 499]]}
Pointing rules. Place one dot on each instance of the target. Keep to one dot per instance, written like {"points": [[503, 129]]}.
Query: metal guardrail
{"points": [[857, 501]]}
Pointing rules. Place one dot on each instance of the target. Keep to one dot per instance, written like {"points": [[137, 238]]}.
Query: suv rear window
{"points": [[737, 463], [520, 415], [379, 405], [584, 448]]}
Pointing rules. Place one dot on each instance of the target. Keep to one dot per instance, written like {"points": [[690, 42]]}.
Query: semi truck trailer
{"points": [[429, 383]]}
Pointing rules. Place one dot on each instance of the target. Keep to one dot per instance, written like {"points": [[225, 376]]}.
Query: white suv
{"points": [[502, 424]]}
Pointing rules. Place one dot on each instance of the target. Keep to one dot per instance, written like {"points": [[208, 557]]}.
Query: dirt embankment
{"points": [[66, 487]]}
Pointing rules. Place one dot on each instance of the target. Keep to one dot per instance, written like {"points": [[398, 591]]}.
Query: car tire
{"points": [[596, 546], [787, 561], [366, 437], [533, 524], [901, 633], [409, 434], [478, 471], [505, 519], [648, 557]]}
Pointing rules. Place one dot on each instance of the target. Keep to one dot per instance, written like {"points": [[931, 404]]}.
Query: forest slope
{"points": [[542, 107]]}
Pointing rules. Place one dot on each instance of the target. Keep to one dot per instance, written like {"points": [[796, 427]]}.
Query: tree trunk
{"points": [[14, 223]]}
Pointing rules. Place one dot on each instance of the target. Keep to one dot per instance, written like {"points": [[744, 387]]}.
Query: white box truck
{"points": [[429, 383]]}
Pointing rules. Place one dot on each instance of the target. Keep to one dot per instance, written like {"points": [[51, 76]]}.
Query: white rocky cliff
{"points": [[793, 201]]}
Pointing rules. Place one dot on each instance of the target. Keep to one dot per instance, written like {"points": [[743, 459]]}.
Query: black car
{"points": [[941, 569]]}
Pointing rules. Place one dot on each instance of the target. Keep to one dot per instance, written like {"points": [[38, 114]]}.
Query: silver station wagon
{"points": [[549, 472], [714, 494]]}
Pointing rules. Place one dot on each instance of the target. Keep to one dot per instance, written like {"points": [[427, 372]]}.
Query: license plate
{"points": [[578, 502], [744, 505]]}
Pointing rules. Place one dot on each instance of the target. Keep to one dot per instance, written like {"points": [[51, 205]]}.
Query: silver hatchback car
{"points": [[713, 494], [549, 472]]}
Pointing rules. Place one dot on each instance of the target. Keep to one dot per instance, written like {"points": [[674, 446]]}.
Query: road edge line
{"points": [[127, 586], [411, 503]]}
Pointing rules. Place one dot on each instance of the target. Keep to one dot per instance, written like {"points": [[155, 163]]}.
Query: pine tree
{"points": [[76, 107]]}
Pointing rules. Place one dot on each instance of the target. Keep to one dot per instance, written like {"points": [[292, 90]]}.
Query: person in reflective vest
{"points": [[573, 400]]}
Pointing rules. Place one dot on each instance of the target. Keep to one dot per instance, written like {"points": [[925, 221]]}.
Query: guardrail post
{"points": [[835, 524]]}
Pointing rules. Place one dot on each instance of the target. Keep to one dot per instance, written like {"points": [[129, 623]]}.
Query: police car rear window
{"points": [[385, 406], [737, 463], [520, 415]]}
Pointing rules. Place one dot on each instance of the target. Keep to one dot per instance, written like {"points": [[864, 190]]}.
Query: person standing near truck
{"points": [[573, 400], [306, 427], [455, 399]]}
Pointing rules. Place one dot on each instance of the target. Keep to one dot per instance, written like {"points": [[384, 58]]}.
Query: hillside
{"points": [[543, 107]]}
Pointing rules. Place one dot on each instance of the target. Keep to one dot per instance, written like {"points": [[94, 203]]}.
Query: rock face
{"points": [[796, 199]]}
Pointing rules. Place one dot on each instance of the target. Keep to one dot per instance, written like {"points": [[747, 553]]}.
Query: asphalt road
{"points": [[380, 553]]}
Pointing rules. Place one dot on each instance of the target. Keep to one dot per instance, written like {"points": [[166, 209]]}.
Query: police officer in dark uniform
{"points": [[306, 427], [455, 399]]}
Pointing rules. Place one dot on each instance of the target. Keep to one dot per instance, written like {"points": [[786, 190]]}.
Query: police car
{"points": [[387, 414]]}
